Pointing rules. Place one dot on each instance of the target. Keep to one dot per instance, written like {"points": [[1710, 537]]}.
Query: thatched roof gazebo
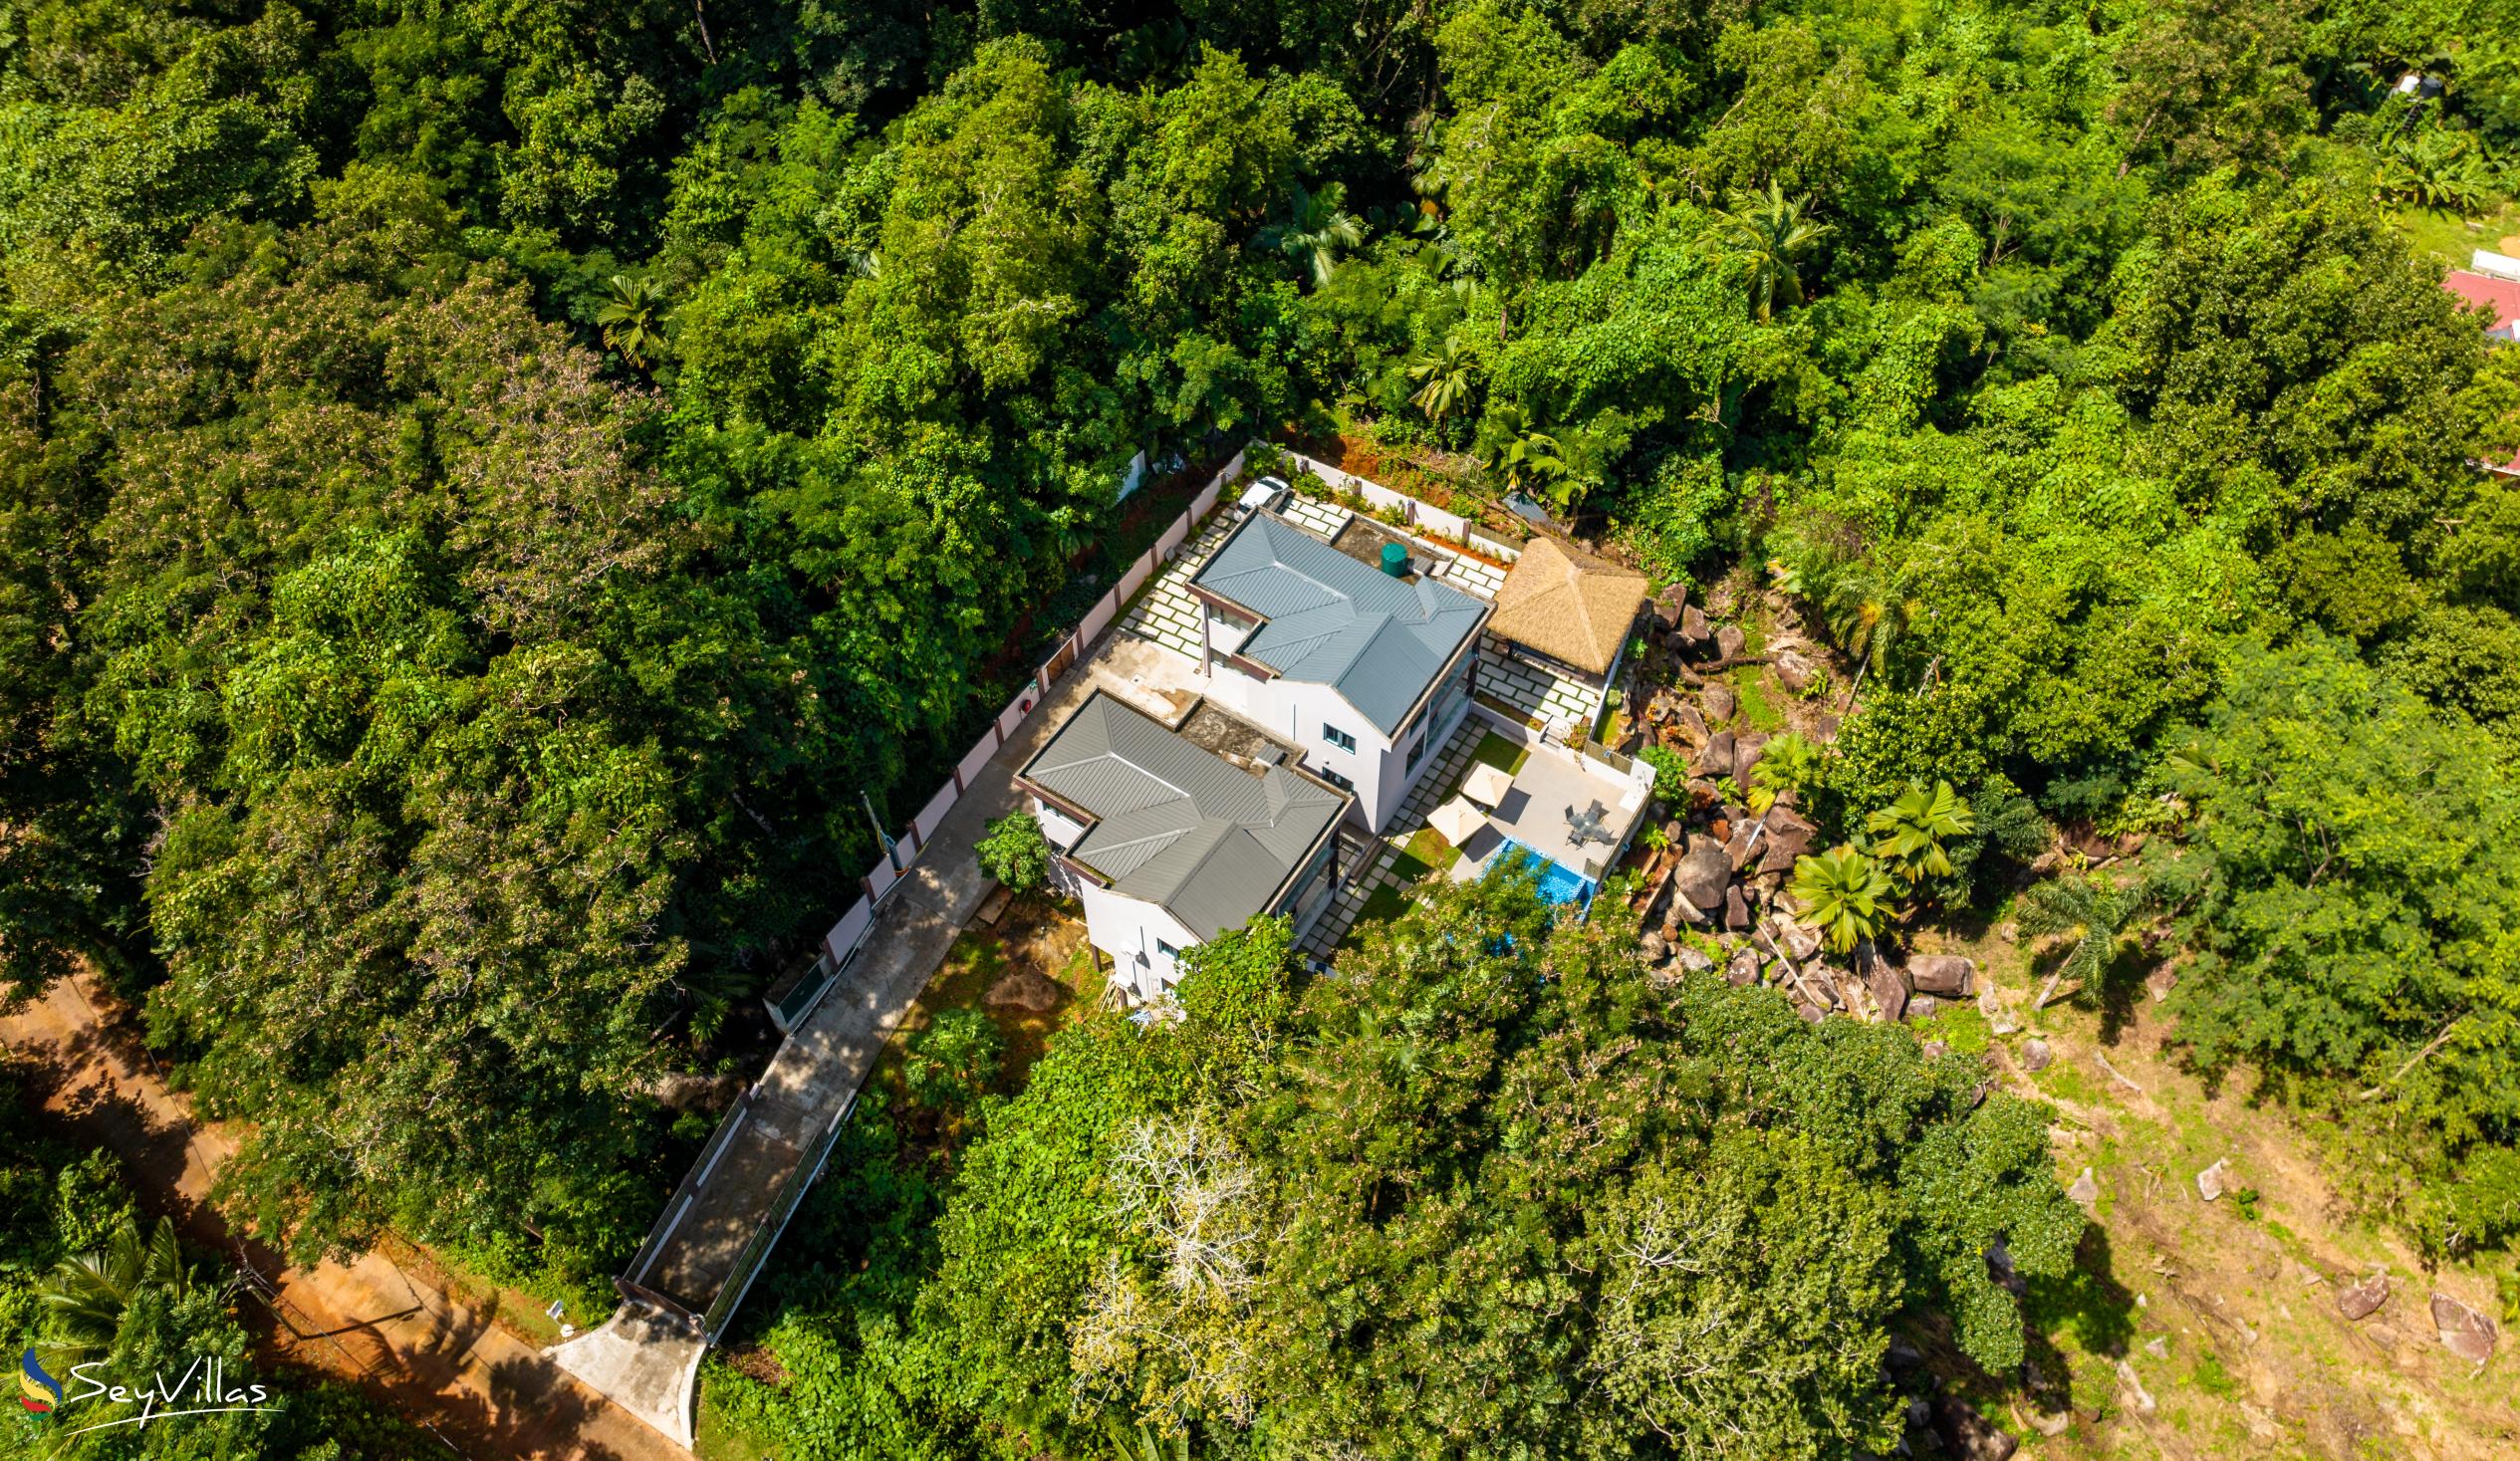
{"points": [[1573, 607]]}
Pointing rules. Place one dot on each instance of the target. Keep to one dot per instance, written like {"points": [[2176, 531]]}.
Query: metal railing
{"points": [[677, 1207], [799, 1180]]}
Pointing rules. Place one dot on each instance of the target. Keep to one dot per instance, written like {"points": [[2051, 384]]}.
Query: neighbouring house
{"points": [[2502, 297], [1568, 616], [1170, 834], [1367, 668]]}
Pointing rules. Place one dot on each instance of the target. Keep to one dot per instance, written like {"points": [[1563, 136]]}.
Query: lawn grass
{"points": [[1407, 868], [1606, 725], [1960, 1024], [1757, 707], [1505, 755], [1429, 850], [1381, 906], [2451, 237], [718, 1436]]}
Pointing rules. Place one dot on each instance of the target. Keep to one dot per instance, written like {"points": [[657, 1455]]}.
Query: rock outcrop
{"points": [[2464, 1332], [2359, 1301], [1949, 975]]}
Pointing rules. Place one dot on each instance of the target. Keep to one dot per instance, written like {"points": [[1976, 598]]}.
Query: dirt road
{"points": [[436, 1360]]}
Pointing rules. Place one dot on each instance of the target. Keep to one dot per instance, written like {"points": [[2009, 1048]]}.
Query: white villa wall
{"points": [[1298, 709], [1061, 829], [1128, 929]]}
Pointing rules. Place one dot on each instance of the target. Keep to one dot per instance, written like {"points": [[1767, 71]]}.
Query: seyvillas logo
{"points": [[201, 1389], [39, 1392]]}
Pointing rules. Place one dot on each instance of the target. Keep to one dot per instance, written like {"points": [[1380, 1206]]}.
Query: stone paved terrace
{"points": [[1551, 783], [1548, 780], [1533, 691], [1325, 520], [1469, 574], [1165, 613]]}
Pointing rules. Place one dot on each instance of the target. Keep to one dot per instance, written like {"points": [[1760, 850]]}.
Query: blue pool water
{"points": [[1558, 883]]}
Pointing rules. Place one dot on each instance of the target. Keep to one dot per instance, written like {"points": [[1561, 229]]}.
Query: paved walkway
{"points": [[1467, 574], [1325, 519], [1166, 613], [648, 1366], [434, 1358]]}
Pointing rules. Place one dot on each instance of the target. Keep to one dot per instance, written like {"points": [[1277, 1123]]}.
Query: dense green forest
{"points": [[486, 487]]}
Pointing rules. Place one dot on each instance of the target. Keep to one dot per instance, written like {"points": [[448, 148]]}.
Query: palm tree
{"points": [[89, 1293], [2090, 911], [1866, 616], [1789, 763], [1771, 235], [1318, 225], [1845, 893], [629, 317], [1444, 383], [1908, 834], [1522, 456], [1581, 465]]}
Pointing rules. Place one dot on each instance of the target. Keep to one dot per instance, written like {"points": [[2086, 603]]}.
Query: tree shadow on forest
{"points": [[2089, 1305], [2116, 993]]}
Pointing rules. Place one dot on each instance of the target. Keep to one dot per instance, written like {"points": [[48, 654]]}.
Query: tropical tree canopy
{"points": [[1845, 893], [494, 496], [1770, 236]]}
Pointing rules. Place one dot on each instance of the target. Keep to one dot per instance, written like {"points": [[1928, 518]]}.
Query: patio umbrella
{"points": [[1457, 820], [1487, 785]]}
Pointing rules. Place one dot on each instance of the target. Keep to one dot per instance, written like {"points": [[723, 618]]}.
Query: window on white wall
{"points": [[1335, 779], [1337, 737], [1168, 950]]}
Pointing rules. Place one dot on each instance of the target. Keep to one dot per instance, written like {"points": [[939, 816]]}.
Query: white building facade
{"points": [[1366, 671], [1167, 842]]}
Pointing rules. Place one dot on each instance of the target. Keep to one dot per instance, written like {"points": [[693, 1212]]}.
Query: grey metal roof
{"points": [[1377, 640], [1176, 824]]}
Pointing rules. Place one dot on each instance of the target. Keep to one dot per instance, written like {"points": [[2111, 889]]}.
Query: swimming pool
{"points": [[1558, 883]]}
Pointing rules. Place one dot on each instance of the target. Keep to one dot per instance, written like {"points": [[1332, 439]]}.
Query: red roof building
{"points": [[2502, 296]]}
